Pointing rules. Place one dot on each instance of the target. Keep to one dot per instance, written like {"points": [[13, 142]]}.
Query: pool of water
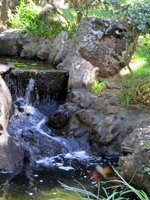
{"points": [[21, 64], [44, 183]]}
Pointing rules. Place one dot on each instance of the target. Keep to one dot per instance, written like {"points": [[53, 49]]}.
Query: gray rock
{"points": [[86, 99], [57, 52], [81, 72], [62, 116], [100, 41], [44, 49], [29, 50], [5, 68], [111, 129], [11, 42], [50, 84], [5, 106], [135, 163], [2, 28], [11, 154]]}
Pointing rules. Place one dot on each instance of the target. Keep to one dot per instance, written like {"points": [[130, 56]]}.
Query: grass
{"points": [[70, 14], [98, 86], [138, 92], [112, 192]]}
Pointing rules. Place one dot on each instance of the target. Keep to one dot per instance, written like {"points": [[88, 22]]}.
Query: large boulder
{"points": [[15, 43], [11, 153], [102, 43], [57, 52], [81, 72], [5, 106], [11, 42], [135, 163], [36, 47]]}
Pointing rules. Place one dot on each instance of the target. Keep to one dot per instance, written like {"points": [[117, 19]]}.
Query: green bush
{"points": [[27, 19], [98, 86]]}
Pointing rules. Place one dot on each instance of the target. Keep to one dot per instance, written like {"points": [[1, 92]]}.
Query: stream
{"points": [[49, 160]]}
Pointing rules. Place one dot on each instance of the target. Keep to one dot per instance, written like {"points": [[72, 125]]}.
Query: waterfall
{"points": [[29, 90], [29, 124]]}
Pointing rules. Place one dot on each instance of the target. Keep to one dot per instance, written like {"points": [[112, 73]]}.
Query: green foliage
{"points": [[82, 7], [25, 15], [139, 92], [127, 93], [27, 19], [113, 192], [98, 86], [135, 12]]}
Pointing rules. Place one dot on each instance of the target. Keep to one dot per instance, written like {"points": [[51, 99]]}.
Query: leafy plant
{"points": [[27, 18], [117, 192], [98, 86]]}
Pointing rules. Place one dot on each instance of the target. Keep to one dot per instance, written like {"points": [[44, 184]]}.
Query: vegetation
{"points": [[28, 18], [119, 191], [98, 86], [139, 92]]}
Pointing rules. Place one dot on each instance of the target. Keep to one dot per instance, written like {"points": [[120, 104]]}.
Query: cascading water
{"points": [[29, 125], [49, 158]]}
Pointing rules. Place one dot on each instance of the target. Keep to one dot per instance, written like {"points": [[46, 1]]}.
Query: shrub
{"points": [[98, 86], [27, 18]]}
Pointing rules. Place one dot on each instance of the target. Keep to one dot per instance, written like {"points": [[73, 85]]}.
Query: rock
{"points": [[15, 43], [81, 72], [29, 50], [44, 50], [11, 42], [86, 99], [36, 47], [135, 163], [82, 97], [5, 106], [108, 128], [50, 84], [57, 52], [100, 41], [11, 154], [2, 28], [38, 146], [5, 68], [62, 116]]}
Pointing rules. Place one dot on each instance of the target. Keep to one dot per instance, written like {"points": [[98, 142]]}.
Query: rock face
{"points": [[4, 69], [101, 42], [50, 84], [58, 49], [10, 42], [135, 163], [100, 117], [81, 72], [5, 106], [36, 48], [14, 43], [11, 154]]}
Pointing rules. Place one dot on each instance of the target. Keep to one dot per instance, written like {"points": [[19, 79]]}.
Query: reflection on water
{"points": [[43, 184], [21, 64]]}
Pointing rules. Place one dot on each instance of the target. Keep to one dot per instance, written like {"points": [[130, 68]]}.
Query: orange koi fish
{"points": [[106, 172]]}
